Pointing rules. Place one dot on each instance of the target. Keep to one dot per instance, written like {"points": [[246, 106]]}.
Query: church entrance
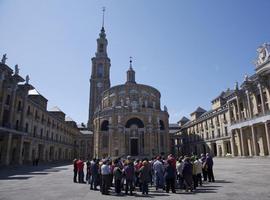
{"points": [[134, 147]]}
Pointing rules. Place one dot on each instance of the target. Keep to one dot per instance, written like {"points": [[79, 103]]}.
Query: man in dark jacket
{"points": [[210, 164], [187, 174], [170, 175]]}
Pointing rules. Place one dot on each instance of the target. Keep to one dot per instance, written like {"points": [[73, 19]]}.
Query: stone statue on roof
{"points": [[263, 54], [165, 109], [4, 58], [16, 69], [27, 79]]}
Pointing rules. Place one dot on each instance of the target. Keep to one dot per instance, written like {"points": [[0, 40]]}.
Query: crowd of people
{"points": [[185, 173]]}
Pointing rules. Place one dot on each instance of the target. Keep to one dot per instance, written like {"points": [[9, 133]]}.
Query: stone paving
{"points": [[236, 179]]}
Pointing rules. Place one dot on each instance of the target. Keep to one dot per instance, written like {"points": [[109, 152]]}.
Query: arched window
{"points": [[134, 121], [161, 124], [100, 71], [105, 126]]}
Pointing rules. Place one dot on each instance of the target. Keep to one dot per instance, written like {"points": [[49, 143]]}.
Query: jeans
{"points": [[170, 184], [159, 180], [81, 176], [199, 179], [105, 184], [93, 181], [210, 174], [144, 187], [129, 186], [117, 186], [75, 176]]}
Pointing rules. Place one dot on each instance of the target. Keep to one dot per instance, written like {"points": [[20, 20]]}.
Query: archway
{"points": [[104, 125], [134, 121]]}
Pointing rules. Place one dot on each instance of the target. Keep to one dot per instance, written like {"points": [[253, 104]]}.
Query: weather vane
{"points": [[103, 11], [130, 61]]}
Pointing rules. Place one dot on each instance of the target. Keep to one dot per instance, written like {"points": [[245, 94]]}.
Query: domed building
{"points": [[125, 119]]}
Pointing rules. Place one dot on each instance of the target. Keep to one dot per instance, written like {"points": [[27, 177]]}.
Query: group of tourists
{"points": [[185, 173]]}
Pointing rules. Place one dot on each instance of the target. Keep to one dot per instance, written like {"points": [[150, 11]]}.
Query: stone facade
{"points": [[27, 129], [238, 123], [126, 119]]}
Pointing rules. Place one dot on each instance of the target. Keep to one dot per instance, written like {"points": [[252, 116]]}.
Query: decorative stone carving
{"points": [[17, 70], [263, 54], [27, 79], [165, 109], [4, 58]]}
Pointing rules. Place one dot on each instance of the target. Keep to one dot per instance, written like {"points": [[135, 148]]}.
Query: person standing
{"points": [[170, 177], [187, 174], [117, 173], [145, 176], [204, 167], [159, 173], [75, 170], [179, 170], [210, 164], [105, 173], [88, 171], [94, 174], [80, 166], [198, 169], [129, 173]]}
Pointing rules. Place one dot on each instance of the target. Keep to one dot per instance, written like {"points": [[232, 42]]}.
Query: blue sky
{"points": [[189, 50]]}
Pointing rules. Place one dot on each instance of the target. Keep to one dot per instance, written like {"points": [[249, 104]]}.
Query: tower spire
{"points": [[103, 14], [130, 73]]}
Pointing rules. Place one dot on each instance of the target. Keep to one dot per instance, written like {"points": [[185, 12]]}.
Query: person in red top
{"points": [[80, 166], [172, 160]]}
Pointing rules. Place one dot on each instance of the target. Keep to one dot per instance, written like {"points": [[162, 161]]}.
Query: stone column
{"points": [[30, 151], [24, 110], [232, 141], [254, 140], [249, 105], [223, 149], [267, 137], [238, 108], [12, 106], [240, 152], [2, 92], [262, 99], [20, 149], [243, 142], [8, 148]]}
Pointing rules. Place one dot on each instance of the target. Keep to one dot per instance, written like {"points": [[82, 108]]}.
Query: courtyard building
{"points": [[238, 123], [126, 119], [28, 131]]}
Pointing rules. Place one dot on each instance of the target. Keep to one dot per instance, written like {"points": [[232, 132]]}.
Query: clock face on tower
{"points": [[99, 84]]}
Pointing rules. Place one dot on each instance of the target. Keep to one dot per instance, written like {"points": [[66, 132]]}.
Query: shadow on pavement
{"points": [[7, 173]]}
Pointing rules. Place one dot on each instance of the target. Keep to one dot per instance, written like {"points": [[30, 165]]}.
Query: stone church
{"points": [[125, 119]]}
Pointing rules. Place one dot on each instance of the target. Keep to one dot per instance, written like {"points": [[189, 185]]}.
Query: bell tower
{"points": [[100, 75]]}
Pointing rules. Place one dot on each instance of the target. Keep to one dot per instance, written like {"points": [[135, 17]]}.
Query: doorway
{"points": [[134, 147]]}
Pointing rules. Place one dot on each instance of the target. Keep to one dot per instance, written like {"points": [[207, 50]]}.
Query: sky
{"points": [[190, 50]]}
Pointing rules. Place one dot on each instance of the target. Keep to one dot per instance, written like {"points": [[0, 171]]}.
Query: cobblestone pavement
{"points": [[236, 179]]}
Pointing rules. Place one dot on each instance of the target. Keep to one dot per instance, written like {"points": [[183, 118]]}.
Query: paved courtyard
{"points": [[236, 179]]}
